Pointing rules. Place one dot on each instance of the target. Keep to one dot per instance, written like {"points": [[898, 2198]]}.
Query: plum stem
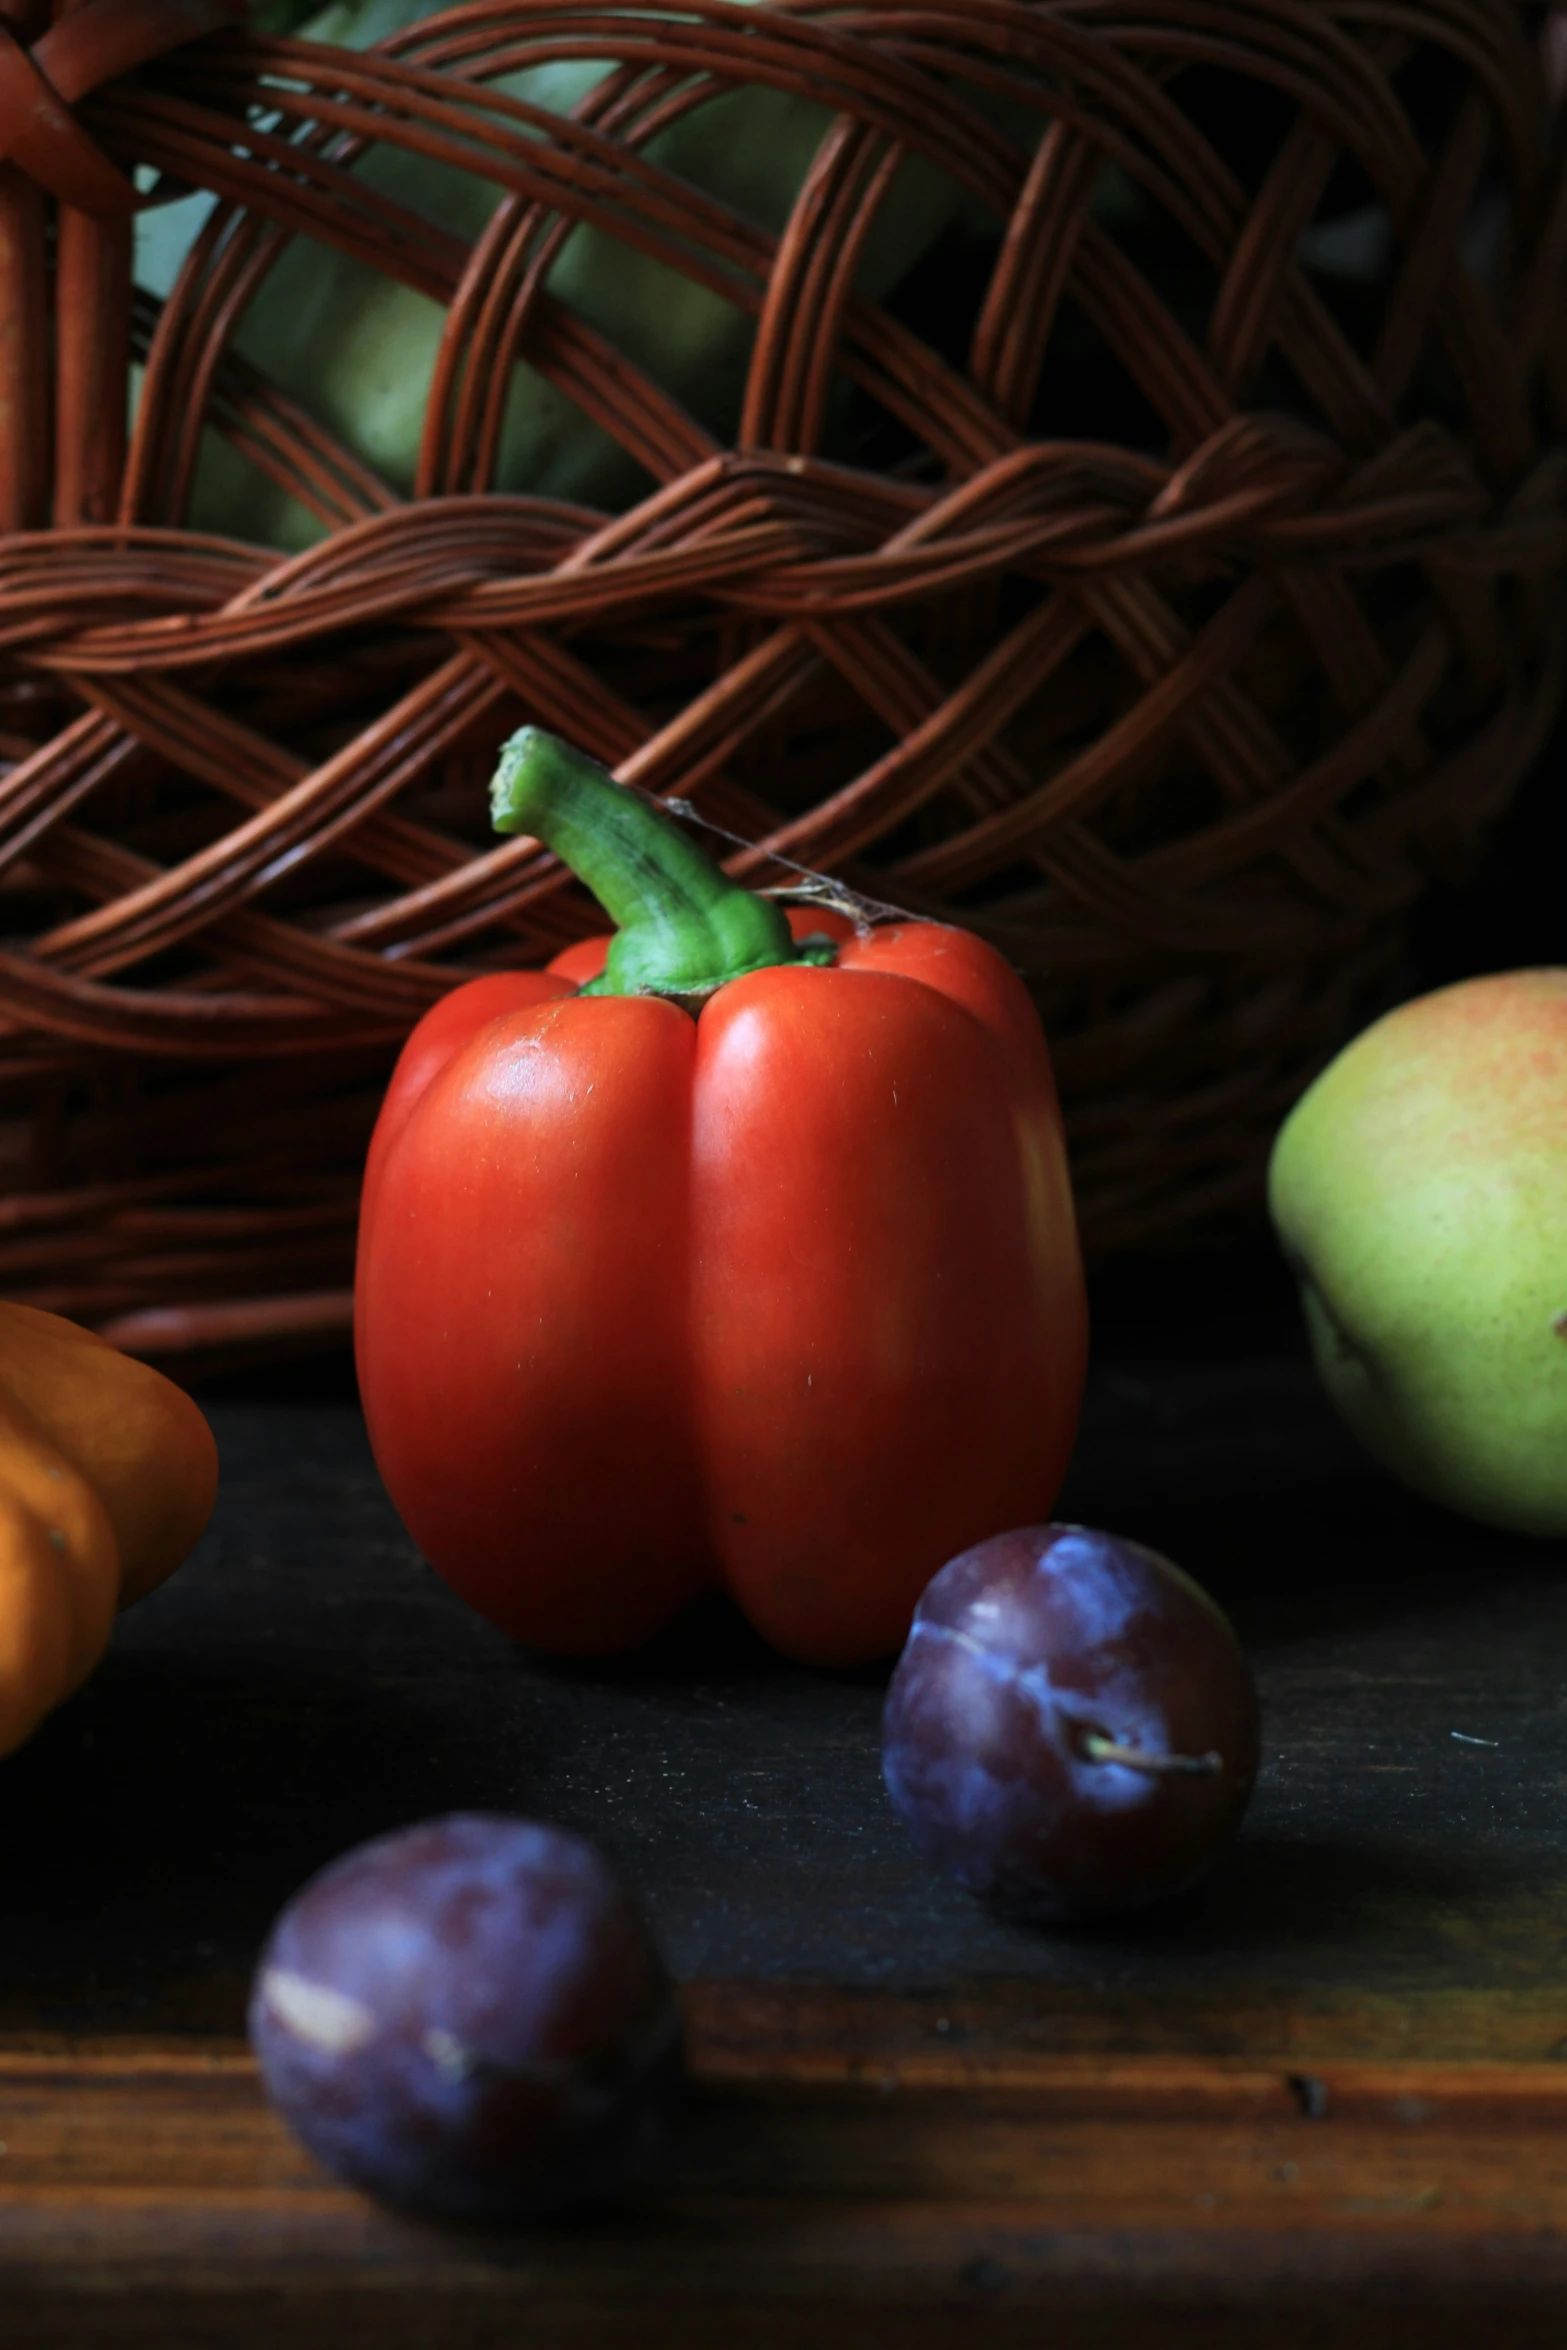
{"points": [[1094, 1746]]}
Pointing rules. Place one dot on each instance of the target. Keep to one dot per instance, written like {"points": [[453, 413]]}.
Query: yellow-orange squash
{"points": [[108, 1473]]}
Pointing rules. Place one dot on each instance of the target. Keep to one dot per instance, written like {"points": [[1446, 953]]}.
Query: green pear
{"points": [[1419, 1188]]}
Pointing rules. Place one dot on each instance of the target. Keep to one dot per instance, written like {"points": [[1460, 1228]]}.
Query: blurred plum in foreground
{"points": [[1072, 1727], [469, 2018]]}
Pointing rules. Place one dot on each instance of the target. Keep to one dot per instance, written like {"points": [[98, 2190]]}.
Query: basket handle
{"points": [[44, 152]]}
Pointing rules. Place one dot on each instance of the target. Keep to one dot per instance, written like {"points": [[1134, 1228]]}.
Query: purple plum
{"points": [[469, 2018], [1071, 1729]]}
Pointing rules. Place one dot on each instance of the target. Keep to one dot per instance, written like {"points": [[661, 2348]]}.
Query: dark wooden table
{"points": [[1321, 2100]]}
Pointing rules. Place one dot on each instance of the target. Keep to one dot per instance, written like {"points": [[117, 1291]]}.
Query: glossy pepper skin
{"points": [[768, 1281]]}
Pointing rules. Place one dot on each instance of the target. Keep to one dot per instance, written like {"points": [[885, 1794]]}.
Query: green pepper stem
{"points": [[683, 928]]}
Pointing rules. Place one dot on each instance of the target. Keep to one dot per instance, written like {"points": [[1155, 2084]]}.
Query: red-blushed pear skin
{"points": [[1420, 1189], [751, 1262]]}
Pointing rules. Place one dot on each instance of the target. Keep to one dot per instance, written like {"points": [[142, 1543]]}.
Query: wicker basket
{"points": [[1162, 577]]}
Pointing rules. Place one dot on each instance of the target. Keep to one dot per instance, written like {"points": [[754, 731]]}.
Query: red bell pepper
{"points": [[751, 1262]]}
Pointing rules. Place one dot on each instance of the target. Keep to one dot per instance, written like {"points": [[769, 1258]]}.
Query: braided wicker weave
{"points": [[1163, 578]]}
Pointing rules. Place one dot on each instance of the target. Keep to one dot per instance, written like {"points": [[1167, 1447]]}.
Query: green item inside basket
{"points": [[359, 349]]}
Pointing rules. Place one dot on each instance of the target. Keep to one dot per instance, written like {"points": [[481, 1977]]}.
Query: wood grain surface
{"points": [[150, 2195], [1321, 2100]]}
